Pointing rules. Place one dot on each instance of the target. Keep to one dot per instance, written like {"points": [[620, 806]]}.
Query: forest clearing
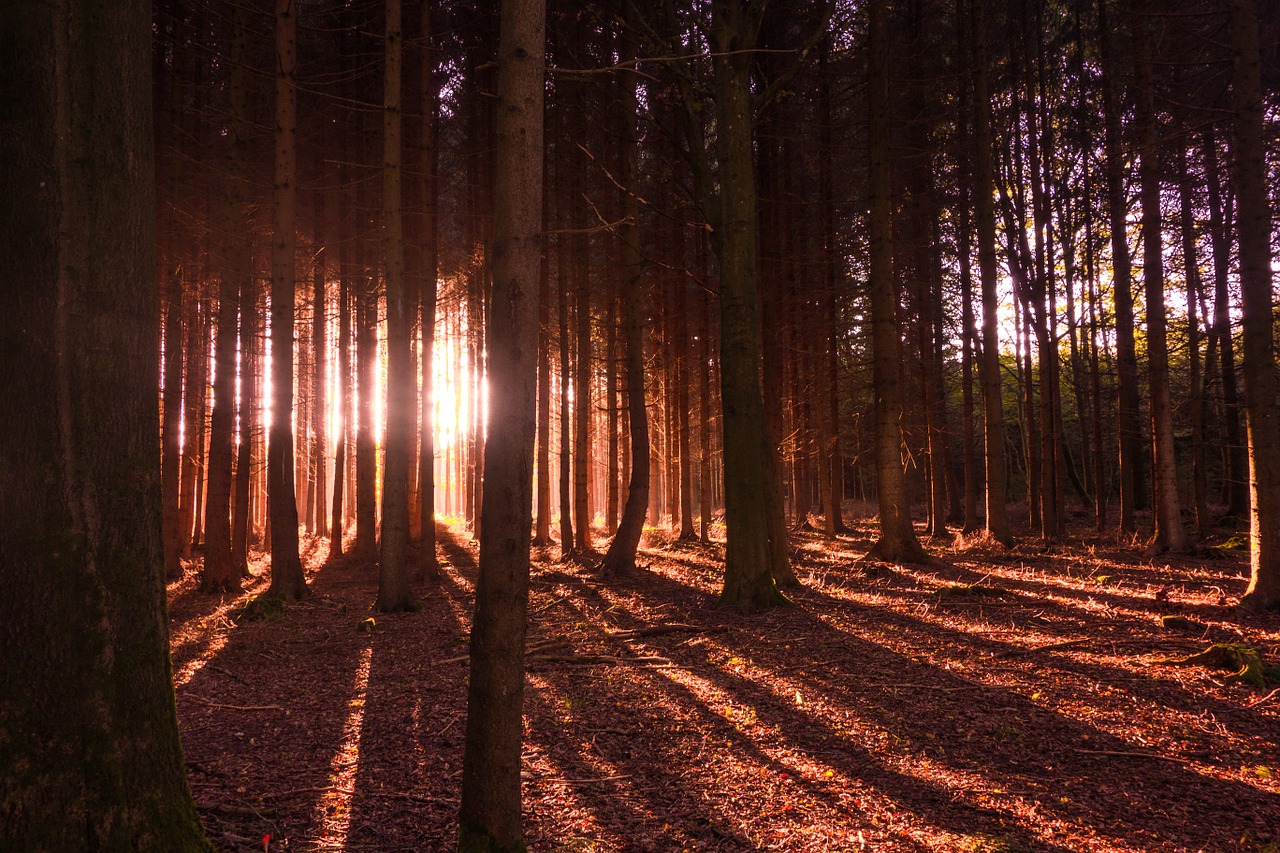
{"points": [[894, 708]]}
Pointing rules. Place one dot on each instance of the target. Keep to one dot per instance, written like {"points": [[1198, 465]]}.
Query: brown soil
{"points": [[891, 710]]}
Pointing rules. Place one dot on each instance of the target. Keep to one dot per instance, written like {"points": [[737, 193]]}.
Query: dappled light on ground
{"points": [[994, 702]]}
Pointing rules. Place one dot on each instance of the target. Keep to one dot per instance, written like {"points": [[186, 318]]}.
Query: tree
{"points": [[989, 368], [91, 756], [897, 540], [220, 573], [621, 555], [1257, 303], [1170, 532], [490, 817], [394, 593], [750, 561], [1130, 469], [287, 579]]}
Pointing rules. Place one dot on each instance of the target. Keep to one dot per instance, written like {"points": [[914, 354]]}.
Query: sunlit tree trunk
{"points": [[542, 523], [287, 579], [338, 517], [1257, 304], [91, 758], [1237, 463], [319, 343], [582, 397], [1191, 274], [428, 566], [490, 815]]}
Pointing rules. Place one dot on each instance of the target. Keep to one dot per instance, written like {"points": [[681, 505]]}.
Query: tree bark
{"points": [[1257, 304], [394, 592], [490, 815], [897, 542], [287, 579], [749, 570], [997, 525], [621, 556], [1170, 532], [91, 757], [1130, 431], [428, 565]]}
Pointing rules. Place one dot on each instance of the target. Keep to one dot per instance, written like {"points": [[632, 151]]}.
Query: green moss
{"points": [[367, 626], [1236, 542], [259, 608], [1243, 661]]}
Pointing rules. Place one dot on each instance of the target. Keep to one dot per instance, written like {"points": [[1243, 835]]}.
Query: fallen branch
{"points": [[1126, 754], [212, 704], [657, 630], [1266, 698]]}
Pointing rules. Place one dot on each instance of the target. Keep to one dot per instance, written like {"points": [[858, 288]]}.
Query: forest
{"points": [[694, 425]]}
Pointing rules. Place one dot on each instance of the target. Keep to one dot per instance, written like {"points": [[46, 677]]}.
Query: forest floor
{"points": [[1005, 700]]}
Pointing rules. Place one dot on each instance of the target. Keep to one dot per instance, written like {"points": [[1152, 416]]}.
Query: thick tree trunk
{"points": [[749, 570], [897, 542], [287, 579], [490, 816], [91, 757], [1257, 304], [394, 592]]}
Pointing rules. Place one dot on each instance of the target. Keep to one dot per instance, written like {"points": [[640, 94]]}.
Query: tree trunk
{"points": [[221, 574], [91, 757], [1191, 273], [1170, 532], [287, 579], [428, 566], [621, 556], [992, 395], [897, 542], [1237, 473], [1257, 304], [394, 593], [1130, 470], [749, 572], [490, 815]]}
